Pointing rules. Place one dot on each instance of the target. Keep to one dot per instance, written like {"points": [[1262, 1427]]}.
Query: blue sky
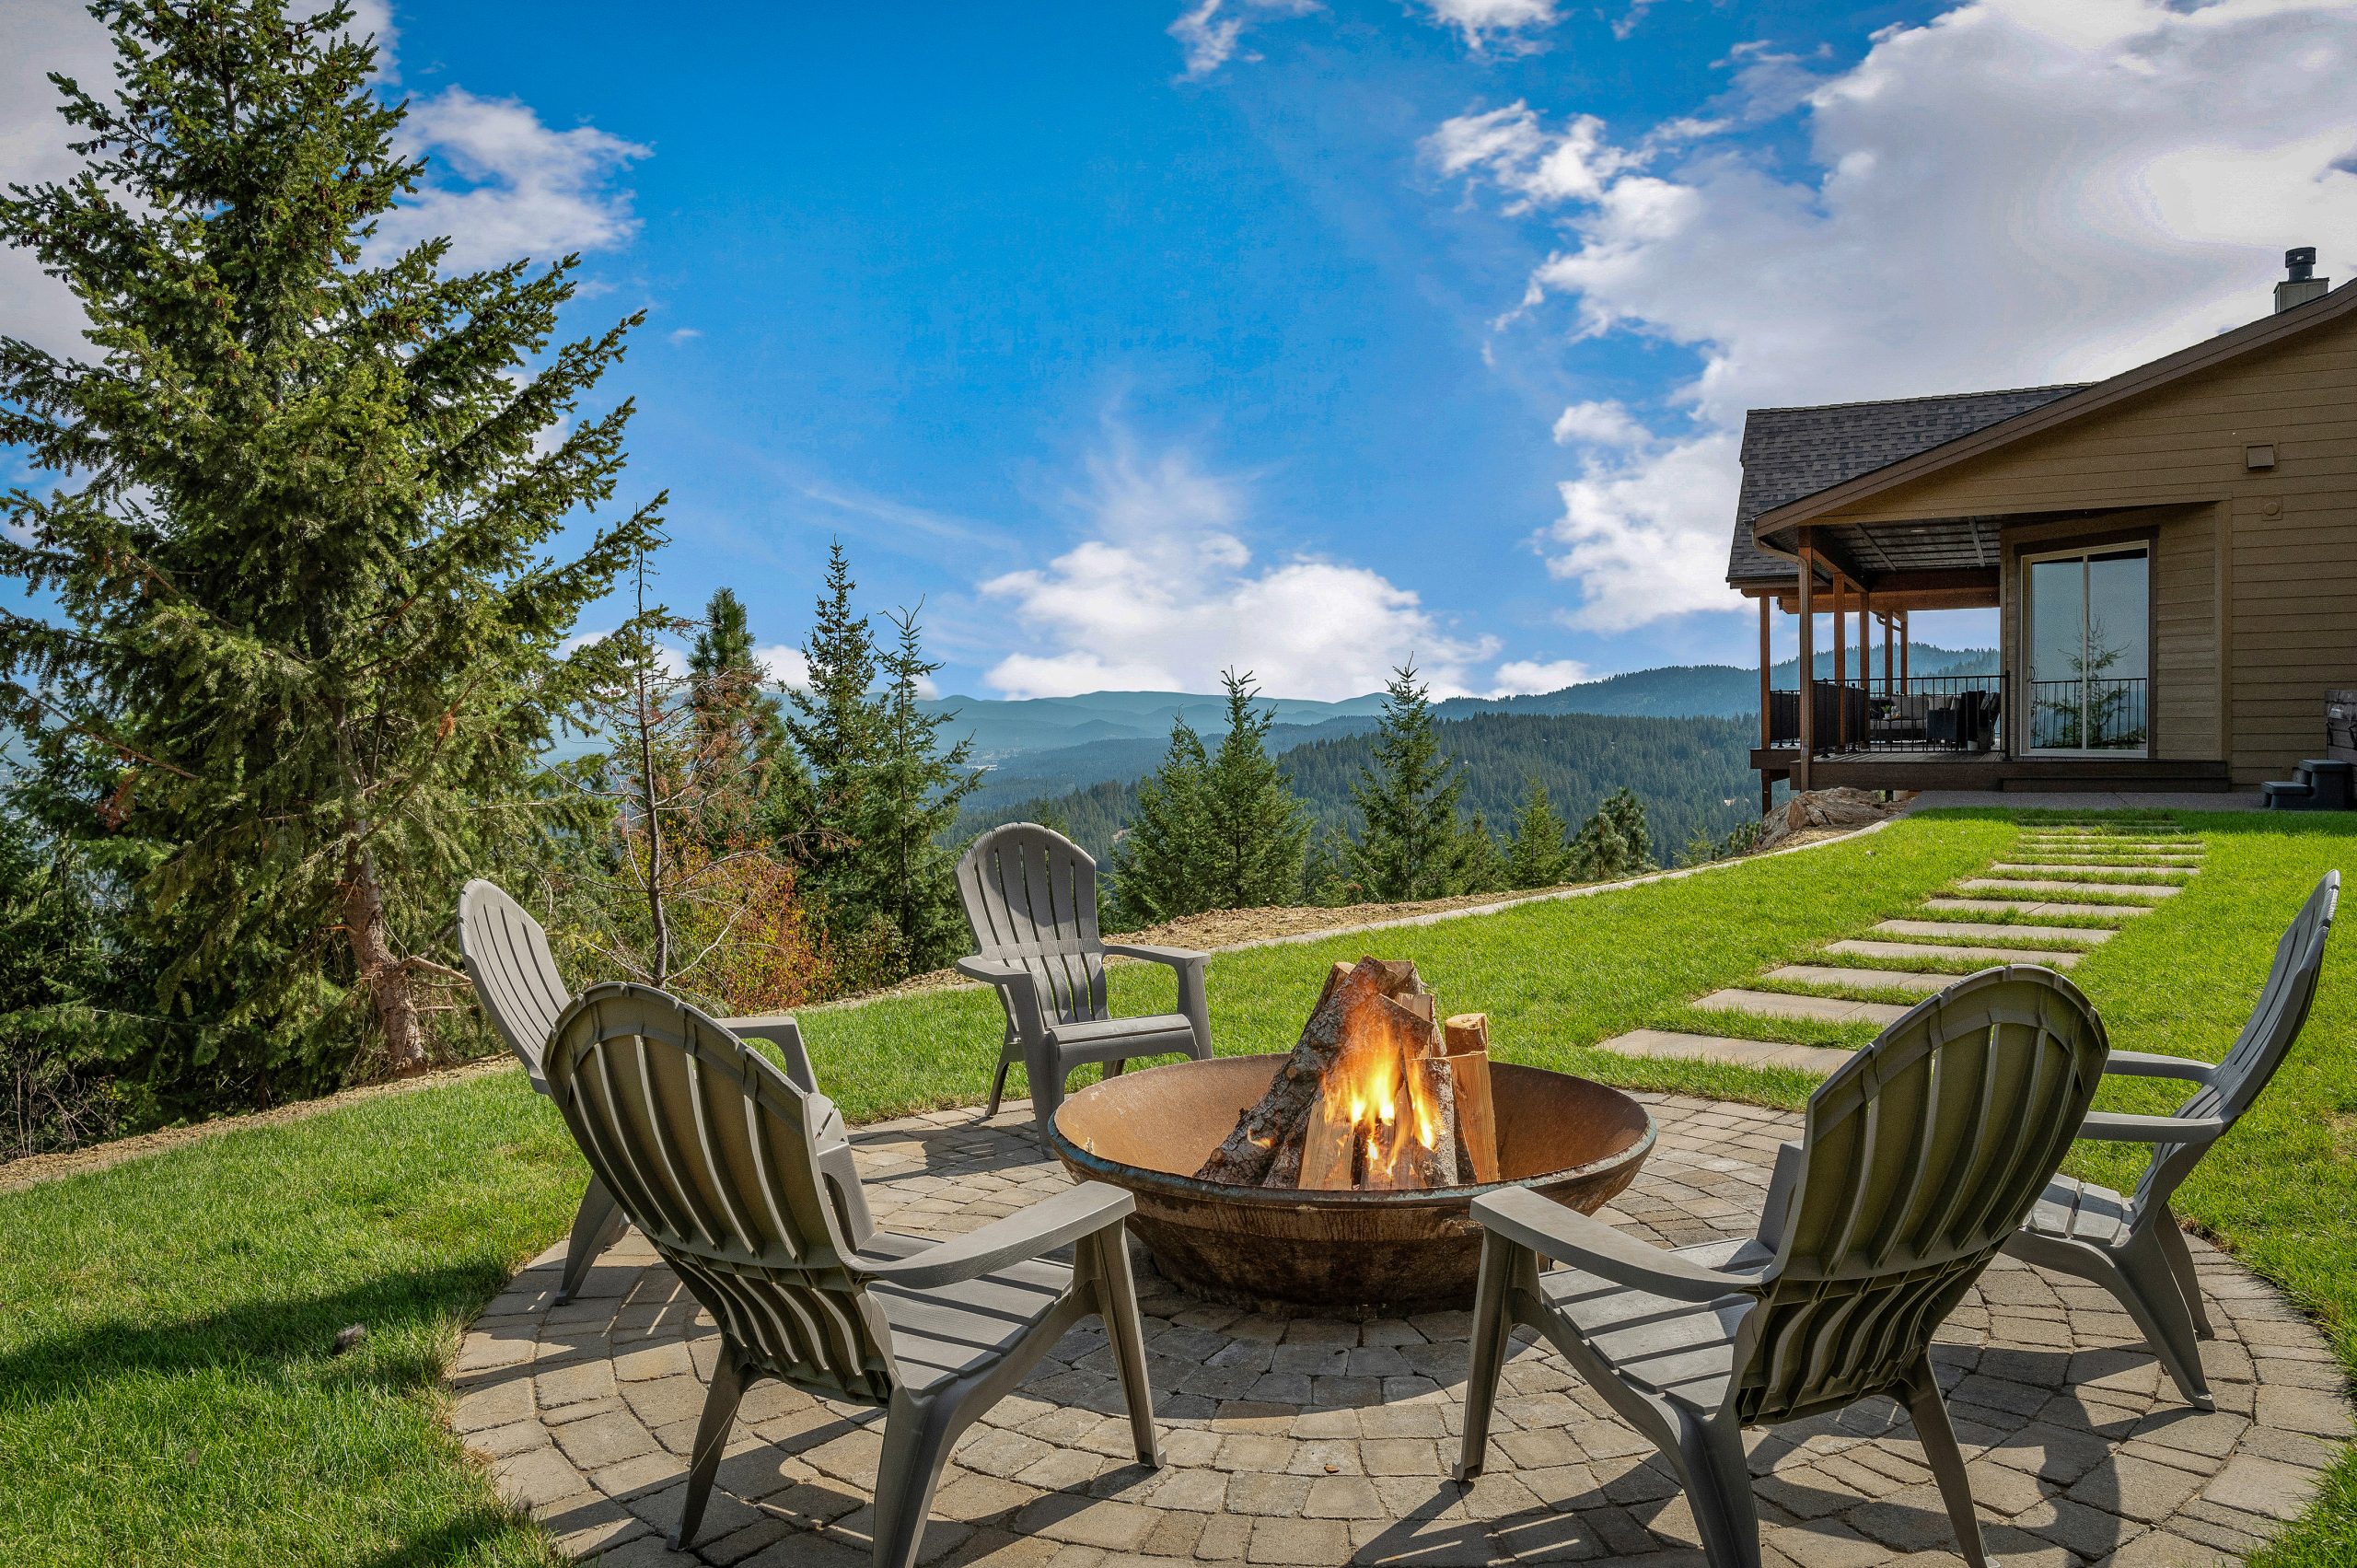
{"points": [[1133, 346]]}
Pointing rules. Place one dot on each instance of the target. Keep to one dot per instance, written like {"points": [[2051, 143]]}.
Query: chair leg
{"points": [[917, 1437], [1117, 1302], [1047, 1075], [720, 1403], [2181, 1263], [596, 1225], [1930, 1413], [1718, 1487], [2149, 1287], [1491, 1332], [998, 1087]]}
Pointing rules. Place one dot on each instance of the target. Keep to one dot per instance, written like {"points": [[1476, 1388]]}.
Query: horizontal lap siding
{"points": [[2289, 594]]}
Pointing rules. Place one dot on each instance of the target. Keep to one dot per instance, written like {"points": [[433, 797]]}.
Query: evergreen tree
{"points": [[1326, 870], [832, 720], [300, 599], [734, 711], [1255, 830], [901, 874], [1411, 846], [1484, 863], [1540, 857], [1613, 842], [1159, 863]]}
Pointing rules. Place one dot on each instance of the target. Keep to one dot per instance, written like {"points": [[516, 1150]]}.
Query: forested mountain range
{"points": [[1692, 774]]}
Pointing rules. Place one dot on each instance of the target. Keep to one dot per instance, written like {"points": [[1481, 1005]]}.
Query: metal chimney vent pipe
{"points": [[2301, 284]]}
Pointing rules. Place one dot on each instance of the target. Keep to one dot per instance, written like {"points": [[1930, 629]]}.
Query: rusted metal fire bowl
{"points": [[1349, 1253]]}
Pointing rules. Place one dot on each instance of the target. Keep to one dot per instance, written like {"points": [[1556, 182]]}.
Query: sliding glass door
{"points": [[2089, 615]]}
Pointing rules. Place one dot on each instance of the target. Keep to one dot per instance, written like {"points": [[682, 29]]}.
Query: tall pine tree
{"points": [[1539, 857], [1411, 846], [832, 720], [300, 594], [734, 711], [915, 786], [1615, 841], [1255, 830], [1160, 860]]}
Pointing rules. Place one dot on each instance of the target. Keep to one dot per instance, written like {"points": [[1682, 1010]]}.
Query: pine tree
{"points": [[1159, 863], [1326, 870], [1484, 869], [832, 721], [733, 710], [1411, 846], [1614, 841], [300, 599], [1255, 830], [1539, 857], [901, 874]]}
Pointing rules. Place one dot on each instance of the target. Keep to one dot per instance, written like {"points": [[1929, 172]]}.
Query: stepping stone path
{"points": [[1315, 1443], [2097, 872]]}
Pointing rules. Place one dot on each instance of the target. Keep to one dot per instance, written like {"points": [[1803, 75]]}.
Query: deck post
{"points": [[1889, 626], [1841, 668], [1807, 667], [1906, 639], [1767, 725]]}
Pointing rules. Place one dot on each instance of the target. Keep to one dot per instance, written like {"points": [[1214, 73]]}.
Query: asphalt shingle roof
{"points": [[1791, 452]]}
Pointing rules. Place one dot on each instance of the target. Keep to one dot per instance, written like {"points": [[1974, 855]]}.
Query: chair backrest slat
{"points": [[712, 1152], [1920, 1155], [2266, 1039], [515, 974], [1030, 899]]}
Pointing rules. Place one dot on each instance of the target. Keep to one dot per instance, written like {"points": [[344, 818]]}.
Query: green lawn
{"points": [[167, 1394]]}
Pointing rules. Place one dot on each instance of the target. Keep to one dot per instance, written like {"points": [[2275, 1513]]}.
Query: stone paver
{"points": [[1785, 1005], [1949, 929], [1670, 1045], [2034, 868], [2079, 1449], [1866, 947], [2034, 909], [1891, 980], [2047, 885]]}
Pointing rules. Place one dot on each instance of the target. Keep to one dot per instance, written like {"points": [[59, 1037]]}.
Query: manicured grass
{"points": [[167, 1394]]}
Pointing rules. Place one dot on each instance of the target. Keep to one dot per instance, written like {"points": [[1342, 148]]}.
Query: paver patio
{"points": [[1315, 1442]]}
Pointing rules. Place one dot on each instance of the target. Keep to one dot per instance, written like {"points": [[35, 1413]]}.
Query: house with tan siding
{"points": [[2172, 554]]}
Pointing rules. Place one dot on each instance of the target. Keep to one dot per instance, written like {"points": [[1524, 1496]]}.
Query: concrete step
{"points": [[2032, 907], [1667, 1045], [2037, 885], [1865, 948], [2048, 868], [1886, 979], [1782, 1004], [1947, 930]]}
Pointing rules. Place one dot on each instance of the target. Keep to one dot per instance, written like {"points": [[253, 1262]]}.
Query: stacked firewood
{"points": [[1379, 1094]]}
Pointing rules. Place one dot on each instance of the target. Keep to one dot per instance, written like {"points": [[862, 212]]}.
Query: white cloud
{"points": [[2012, 194], [1605, 423], [1164, 593], [1208, 33], [784, 665], [1518, 678], [1482, 23], [502, 185], [685, 334]]}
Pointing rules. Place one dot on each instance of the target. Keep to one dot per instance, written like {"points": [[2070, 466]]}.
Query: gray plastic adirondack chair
{"points": [[515, 979], [2132, 1246], [1030, 897], [712, 1152], [1920, 1155]]}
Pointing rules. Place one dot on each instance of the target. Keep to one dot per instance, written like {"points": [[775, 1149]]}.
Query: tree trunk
{"points": [[383, 975]]}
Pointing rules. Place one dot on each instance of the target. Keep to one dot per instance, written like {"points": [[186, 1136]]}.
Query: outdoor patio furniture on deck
{"points": [[515, 979], [1030, 897], [2132, 1246], [1919, 1156], [713, 1154]]}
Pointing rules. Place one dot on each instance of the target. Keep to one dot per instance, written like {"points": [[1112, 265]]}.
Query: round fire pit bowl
{"points": [[1348, 1253]]}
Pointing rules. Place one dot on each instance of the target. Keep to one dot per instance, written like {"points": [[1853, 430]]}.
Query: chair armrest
{"points": [[2142, 1064], [1017, 987], [1176, 958], [2118, 1127], [1031, 1233], [782, 1031], [1567, 1236]]}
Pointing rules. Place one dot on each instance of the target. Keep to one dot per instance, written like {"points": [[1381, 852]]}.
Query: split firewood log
{"points": [[1467, 1040]]}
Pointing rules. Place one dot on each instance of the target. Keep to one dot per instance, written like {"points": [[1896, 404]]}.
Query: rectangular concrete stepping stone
{"points": [[1784, 1004], [1986, 929], [2036, 885], [1669, 1045], [2047, 868], [1888, 980], [1865, 948], [2033, 907]]}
